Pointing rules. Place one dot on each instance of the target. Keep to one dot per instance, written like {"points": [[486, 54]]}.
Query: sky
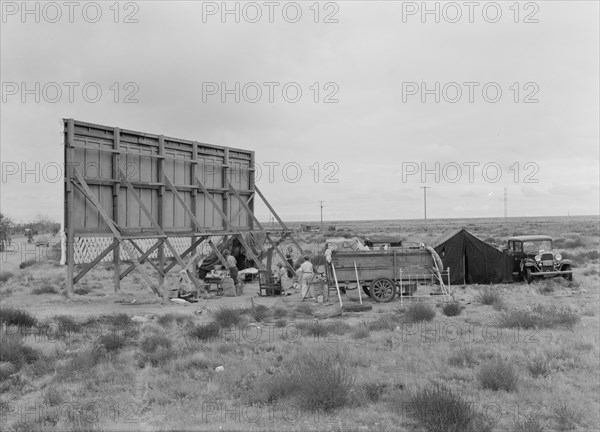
{"points": [[357, 104]]}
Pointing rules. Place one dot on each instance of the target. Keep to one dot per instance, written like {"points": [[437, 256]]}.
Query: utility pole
{"points": [[321, 205], [425, 203]]}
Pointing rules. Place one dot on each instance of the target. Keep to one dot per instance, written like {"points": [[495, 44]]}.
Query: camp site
{"points": [[324, 216]]}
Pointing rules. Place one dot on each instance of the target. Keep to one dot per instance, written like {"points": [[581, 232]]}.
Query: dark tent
{"points": [[472, 260]]}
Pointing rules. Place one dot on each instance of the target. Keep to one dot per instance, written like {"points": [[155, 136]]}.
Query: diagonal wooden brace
{"points": [[276, 216], [96, 260], [157, 227], [142, 258], [83, 186], [194, 219]]}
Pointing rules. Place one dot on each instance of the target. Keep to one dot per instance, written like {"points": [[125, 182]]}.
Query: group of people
{"points": [[305, 275]]}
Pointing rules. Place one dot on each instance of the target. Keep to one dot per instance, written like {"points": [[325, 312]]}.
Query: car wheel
{"points": [[528, 276], [569, 276]]}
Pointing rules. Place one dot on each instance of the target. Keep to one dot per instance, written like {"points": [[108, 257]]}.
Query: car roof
{"points": [[530, 238]]}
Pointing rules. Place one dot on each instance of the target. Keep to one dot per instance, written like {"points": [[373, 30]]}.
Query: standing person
{"points": [[290, 261], [306, 273], [286, 281], [231, 266]]}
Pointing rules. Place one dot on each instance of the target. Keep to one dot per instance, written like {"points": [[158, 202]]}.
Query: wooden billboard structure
{"points": [[133, 198]]}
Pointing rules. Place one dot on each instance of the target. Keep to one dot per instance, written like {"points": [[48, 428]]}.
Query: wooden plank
{"points": [[270, 208], [192, 276], [116, 193], [69, 206], [194, 192], [214, 203], [225, 184], [276, 216], [142, 258], [161, 209], [251, 185], [145, 255], [186, 252], [194, 218], [242, 208], [88, 193]]}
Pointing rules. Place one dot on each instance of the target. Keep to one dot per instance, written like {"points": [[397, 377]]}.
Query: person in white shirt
{"points": [[231, 265], [306, 273], [282, 274]]}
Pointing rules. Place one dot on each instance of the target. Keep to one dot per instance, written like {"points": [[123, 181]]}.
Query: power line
{"points": [[321, 205], [425, 203]]}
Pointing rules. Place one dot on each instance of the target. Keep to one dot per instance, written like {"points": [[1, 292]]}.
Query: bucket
{"points": [[320, 298]]}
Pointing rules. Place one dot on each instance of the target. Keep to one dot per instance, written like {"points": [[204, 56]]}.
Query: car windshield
{"points": [[537, 245]]}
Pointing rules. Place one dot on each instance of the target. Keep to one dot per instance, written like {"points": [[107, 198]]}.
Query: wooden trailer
{"points": [[383, 273]]}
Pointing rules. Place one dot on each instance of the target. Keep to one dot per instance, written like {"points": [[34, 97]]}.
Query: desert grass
{"points": [[498, 374], [10, 315], [184, 371], [539, 316], [5, 275], [451, 309], [418, 312]]}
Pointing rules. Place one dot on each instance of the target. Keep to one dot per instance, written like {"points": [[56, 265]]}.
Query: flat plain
{"points": [[505, 357]]}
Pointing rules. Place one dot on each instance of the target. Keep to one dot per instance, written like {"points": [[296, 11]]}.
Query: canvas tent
{"points": [[472, 260]]}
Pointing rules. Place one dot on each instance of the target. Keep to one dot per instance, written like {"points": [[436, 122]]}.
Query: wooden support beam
{"points": [[160, 216], [276, 216], [142, 258], [96, 260], [145, 254], [114, 229], [229, 224], [193, 217], [148, 214], [69, 204], [116, 160], [185, 253]]}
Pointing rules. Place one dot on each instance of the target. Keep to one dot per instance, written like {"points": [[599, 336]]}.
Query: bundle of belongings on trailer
{"points": [[344, 244]]}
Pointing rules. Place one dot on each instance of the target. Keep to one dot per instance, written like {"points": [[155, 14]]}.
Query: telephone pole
{"points": [[425, 203], [321, 205]]}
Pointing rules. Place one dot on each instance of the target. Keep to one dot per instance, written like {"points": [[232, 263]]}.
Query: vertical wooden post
{"points": [[116, 191], [69, 190], [160, 216], [251, 177], [225, 184], [194, 195]]}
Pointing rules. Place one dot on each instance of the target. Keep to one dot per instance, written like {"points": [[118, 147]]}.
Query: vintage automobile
{"points": [[534, 258], [42, 241]]}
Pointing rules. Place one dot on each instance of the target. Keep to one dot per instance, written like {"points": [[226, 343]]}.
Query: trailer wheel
{"points": [[366, 290], [383, 290]]}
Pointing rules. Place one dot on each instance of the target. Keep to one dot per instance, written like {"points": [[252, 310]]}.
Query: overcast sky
{"points": [[517, 102]]}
